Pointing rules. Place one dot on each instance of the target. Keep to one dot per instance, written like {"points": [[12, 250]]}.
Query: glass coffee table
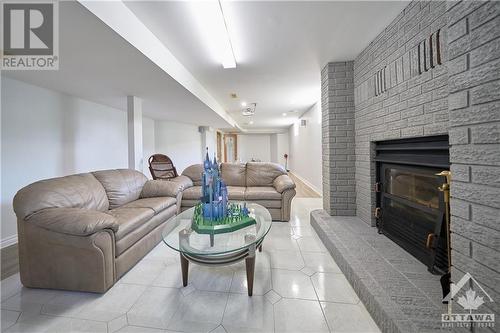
{"points": [[228, 248]]}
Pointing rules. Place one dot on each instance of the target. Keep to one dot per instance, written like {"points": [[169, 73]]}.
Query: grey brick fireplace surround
{"points": [[389, 92]]}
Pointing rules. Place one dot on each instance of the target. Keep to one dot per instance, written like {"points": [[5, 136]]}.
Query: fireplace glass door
{"points": [[412, 209]]}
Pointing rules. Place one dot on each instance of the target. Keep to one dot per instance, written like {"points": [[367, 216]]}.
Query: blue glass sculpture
{"points": [[214, 214], [214, 191]]}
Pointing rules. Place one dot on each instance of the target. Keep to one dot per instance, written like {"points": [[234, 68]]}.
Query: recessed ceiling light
{"points": [[251, 122], [243, 104], [284, 114]]}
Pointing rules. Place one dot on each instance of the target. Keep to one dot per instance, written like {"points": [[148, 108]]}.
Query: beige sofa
{"points": [[264, 183], [83, 232]]}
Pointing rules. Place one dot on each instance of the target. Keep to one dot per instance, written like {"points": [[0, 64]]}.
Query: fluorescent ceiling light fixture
{"points": [[284, 114], [243, 104], [251, 122], [125, 23], [212, 24]]}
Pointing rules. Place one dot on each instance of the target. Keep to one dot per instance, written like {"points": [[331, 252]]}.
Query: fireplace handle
{"points": [[430, 241]]}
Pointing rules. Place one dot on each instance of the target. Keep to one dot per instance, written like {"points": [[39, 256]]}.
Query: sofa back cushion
{"points": [[75, 191], [194, 173], [263, 173], [122, 185], [233, 174]]}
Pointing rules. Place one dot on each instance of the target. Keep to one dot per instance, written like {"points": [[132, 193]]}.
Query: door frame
{"points": [[219, 143]]}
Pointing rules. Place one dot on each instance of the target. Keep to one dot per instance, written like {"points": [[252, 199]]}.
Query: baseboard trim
{"points": [[311, 186], [8, 241]]}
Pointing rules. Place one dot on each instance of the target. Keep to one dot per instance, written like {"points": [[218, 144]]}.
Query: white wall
{"points": [[305, 148], [256, 146], [282, 147], [274, 147], [279, 147], [181, 142], [148, 143], [49, 134]]}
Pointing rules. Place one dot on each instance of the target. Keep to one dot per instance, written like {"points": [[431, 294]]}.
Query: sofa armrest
{"points": [[73, 221], [282, 183], [161, 188], [54, 260]]}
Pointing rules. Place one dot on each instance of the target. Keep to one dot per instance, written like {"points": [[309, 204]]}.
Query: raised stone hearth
{"points": [[397, 289], [433, 71]]}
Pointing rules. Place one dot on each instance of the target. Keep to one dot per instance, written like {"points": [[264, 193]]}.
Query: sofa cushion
{"points": [[268, 203], [236, 192], [262, 193], [194, 172], [263, 174], [141, 231], [157, 204], [233, 174], [130, 219], [75, 191], [122, 185], [192, 193]]}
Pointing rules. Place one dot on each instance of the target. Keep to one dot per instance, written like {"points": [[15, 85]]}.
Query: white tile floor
{"points": [[297, 288]]}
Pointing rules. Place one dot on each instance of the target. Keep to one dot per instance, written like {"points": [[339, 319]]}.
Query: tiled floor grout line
{"points": [[227, 301], [268, 270], [315, 291]]}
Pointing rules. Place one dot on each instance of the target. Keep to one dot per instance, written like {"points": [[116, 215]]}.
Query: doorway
{"points": [[230, 148]]}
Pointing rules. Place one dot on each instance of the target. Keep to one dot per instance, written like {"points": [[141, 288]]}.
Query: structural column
{"points": [[337, 111], [134, 120], [207, 141]]}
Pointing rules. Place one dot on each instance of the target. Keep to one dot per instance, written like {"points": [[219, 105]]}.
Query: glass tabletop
{"points": [[179, 235]]}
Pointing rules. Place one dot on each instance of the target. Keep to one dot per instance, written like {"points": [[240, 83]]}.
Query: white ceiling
{"points": [[280, 48], [98, 65]]}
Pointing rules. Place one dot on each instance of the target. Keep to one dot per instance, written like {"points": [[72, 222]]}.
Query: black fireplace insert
{"points": [[410, 207]]}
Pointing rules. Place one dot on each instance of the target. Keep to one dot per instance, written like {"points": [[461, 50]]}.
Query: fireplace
{"points": [[410, 207]]}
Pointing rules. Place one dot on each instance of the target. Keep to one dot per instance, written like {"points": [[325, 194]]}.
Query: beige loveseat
{"points": [[264, 183], [83, 232]]}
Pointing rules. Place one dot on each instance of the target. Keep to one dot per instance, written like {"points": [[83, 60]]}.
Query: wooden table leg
{"points": [[185, 270], [250, 265]]}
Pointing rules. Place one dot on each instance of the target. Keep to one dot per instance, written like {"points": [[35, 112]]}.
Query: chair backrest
{"points": [[161, 167]]}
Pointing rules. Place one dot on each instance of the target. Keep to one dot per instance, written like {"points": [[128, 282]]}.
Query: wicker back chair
{"points": [[161, 167]]}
